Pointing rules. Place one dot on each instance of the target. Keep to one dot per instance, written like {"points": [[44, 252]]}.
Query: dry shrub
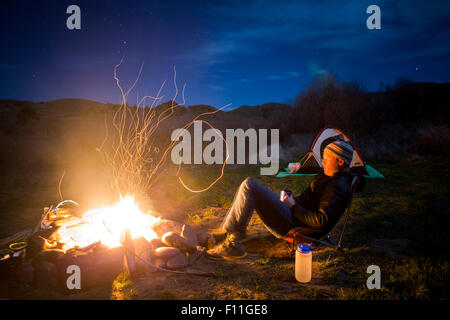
{"points": [[386, 143], [395, 141], [433, 139], [326, 102]]}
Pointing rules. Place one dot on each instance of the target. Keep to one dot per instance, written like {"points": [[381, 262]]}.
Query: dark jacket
{"points": [[322, 204]]}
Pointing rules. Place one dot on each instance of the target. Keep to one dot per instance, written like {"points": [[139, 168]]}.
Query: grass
{"points": [[262, 261], [413, 278], [121, 287]]}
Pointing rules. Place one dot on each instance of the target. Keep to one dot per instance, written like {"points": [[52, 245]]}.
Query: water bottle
{"points": [[303, 263]]}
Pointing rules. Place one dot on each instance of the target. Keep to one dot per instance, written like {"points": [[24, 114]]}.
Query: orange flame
{"points": [[108, 224]]}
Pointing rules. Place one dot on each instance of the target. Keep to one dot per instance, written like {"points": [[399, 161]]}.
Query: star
{"points": [[417, 68]]}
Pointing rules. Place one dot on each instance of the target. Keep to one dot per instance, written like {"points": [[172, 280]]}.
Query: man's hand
{"points": [[289, 200]]}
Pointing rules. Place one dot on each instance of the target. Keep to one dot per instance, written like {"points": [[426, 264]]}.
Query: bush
{"points": [[328, 103], [325, 102], [375, 118]]}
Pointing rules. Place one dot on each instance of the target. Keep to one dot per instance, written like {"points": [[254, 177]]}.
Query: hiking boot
{"points": [[231, 248]]}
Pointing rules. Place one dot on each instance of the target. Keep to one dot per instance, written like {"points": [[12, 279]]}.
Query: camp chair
{"points": [[300, 235]]}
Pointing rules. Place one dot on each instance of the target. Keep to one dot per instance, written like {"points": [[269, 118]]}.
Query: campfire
{"points": [[103, 242], [105, 225], [106, 241]]}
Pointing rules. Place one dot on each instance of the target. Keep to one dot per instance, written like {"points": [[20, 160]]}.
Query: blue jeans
{"points": [[275, 215]]}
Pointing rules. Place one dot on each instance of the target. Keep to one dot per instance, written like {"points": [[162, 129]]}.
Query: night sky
{"points": [[238, 52]]}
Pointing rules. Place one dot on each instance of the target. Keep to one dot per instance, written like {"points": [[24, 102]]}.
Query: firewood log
{"points": [[67, 222]]}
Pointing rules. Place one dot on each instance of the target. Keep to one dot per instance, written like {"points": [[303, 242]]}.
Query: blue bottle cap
{"points": [[303, 248]]}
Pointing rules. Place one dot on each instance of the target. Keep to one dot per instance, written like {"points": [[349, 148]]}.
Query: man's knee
{"points": [[247, 183]]}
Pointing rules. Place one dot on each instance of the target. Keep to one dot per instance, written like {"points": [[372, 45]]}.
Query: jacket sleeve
{"points": [[332, 204]]}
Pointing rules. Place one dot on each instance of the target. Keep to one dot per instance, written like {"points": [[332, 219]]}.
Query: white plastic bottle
{"points": [[303, 263]]}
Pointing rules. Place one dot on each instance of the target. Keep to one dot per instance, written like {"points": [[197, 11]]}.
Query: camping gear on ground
{"points": [[311, 163], [292, 166], [303, 263]]}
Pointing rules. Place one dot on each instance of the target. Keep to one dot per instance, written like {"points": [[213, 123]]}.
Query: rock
{"points": [[177, 262], [163, 226], [206, 240], [25, 272], [156, 243], [172, 239], [189, 233], [144, 254], [8, 267], [50, 255], [167, 252], [159, 262], [98, 267], [45, 276]]}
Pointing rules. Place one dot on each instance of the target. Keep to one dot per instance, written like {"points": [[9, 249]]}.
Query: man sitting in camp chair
{"points": [[318, 208]]}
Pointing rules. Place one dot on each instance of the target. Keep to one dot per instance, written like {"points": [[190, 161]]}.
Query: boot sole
{"points": [[225, 258]]}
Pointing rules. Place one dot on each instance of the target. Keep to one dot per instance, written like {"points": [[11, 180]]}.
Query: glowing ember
{"points": [[108, 225]]}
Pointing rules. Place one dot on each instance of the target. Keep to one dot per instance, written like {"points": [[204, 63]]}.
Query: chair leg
{"points": [[333, 241], [330, 239]]}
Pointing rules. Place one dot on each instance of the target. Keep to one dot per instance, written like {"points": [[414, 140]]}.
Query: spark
{"points": [[133, 156]]}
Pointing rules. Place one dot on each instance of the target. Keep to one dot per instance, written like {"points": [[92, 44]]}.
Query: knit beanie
{"points": [[342, 150]]}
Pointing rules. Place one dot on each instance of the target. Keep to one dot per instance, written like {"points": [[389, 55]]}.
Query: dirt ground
{"points": [[267, 272]]}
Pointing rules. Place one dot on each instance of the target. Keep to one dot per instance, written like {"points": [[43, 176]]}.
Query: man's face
{"points": [[330, 163]]}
